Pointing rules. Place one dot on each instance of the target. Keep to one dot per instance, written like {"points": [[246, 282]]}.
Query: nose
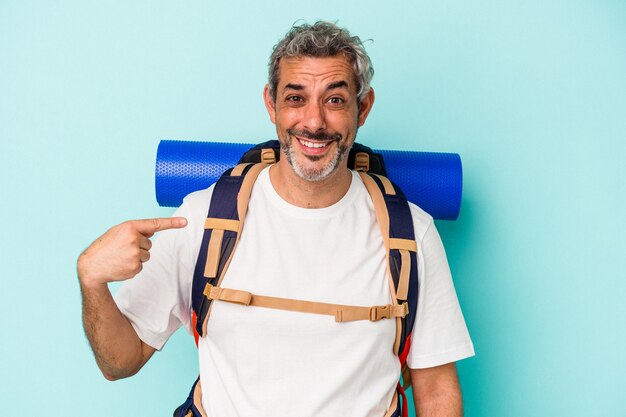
{"points": [[314, 119]]}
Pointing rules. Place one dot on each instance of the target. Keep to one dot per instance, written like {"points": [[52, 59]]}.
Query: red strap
{"points": [[402, 357], [404, 406], [194, 320], [405, 351]]}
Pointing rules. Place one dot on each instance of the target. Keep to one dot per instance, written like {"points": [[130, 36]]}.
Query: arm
{"points": [[118, 350], [116, 256], [436, 391]]}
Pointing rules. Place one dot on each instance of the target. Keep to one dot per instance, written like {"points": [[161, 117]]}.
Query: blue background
{"points": [[532, 94]]}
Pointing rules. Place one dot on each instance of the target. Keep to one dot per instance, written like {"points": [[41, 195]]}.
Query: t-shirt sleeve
{"points": [[439, 335], [157, 301]]}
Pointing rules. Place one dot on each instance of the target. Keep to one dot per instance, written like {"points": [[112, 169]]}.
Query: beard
{"points": [[320, 173]]}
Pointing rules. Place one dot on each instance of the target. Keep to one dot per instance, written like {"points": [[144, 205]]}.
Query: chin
{"points": [[301, 164], [315, 173]]}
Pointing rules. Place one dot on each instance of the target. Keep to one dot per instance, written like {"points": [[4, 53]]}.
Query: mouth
{"points": [[312, 149], [312, 145]]}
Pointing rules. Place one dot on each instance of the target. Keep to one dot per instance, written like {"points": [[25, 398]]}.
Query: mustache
{"points": [[322, 136]]}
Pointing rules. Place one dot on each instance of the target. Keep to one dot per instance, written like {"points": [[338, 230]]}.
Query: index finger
{"points": [[148, 227]]}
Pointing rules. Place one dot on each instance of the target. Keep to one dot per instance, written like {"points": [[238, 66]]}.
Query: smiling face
{"points": [[316, 114]]}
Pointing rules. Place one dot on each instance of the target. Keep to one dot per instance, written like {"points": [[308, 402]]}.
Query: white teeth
{"points": [[312, 144]]}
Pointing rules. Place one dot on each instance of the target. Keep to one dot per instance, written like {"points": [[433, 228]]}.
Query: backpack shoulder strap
{"points": [[396, 225], [222, 229]]}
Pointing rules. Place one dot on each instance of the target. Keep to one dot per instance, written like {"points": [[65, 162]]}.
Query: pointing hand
{"points": [[119, 254]]}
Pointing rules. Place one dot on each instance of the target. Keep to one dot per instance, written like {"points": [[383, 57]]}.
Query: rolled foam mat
{"points": [[432, 180]]}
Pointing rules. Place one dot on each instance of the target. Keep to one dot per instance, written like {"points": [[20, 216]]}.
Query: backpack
{"points": [[224, 223]]}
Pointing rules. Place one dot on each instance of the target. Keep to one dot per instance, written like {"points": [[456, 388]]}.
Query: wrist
{"points": [[86, 277]]}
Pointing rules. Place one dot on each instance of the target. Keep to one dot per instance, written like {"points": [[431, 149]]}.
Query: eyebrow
{"points": [[337, 84], [297, 87], [331, 86]]}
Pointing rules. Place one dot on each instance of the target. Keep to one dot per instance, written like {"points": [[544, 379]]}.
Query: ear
{"points": [[270, 104], [365, 106]]}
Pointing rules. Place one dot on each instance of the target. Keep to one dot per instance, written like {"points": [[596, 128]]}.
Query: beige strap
{"points": [[242, 207], [238, 170], [246, 189], [403, 246], [405, 275], [406, 244], [389, 190], [213, 253], [342, 313], [362, 161], [382, 215], [197, 399], [221, 224], [226, 294], [214, 249], [268, 156]]}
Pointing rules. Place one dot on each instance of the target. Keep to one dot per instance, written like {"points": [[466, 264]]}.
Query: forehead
{"points": [[309, 71]]}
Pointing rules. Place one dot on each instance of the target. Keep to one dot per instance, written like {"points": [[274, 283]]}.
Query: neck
{"points": [[309, 194]]}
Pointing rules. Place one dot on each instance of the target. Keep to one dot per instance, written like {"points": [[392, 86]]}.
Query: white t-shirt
{"points": [[265, 362]]}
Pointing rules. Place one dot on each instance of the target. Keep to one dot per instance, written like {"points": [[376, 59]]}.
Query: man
{"points": [[310, 234]]}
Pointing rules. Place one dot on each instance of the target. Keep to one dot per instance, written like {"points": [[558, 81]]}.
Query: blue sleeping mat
{"points": [[433, 181]]}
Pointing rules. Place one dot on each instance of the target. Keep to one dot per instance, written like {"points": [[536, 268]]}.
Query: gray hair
{"points": [[321, 40]]}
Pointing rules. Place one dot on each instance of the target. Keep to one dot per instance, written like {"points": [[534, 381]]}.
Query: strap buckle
{"points": [[389, 311], [380, 312], [362, 162], [405, 309], [208, 291], [268, 156]]}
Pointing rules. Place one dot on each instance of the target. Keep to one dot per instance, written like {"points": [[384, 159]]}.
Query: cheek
{"points": [[343, 122], [286, 116]]}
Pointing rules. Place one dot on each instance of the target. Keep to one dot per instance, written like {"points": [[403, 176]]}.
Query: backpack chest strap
{"points": [[342, 313]]}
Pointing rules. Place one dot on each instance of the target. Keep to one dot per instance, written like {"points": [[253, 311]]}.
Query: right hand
{"points": [[119, 254]]}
